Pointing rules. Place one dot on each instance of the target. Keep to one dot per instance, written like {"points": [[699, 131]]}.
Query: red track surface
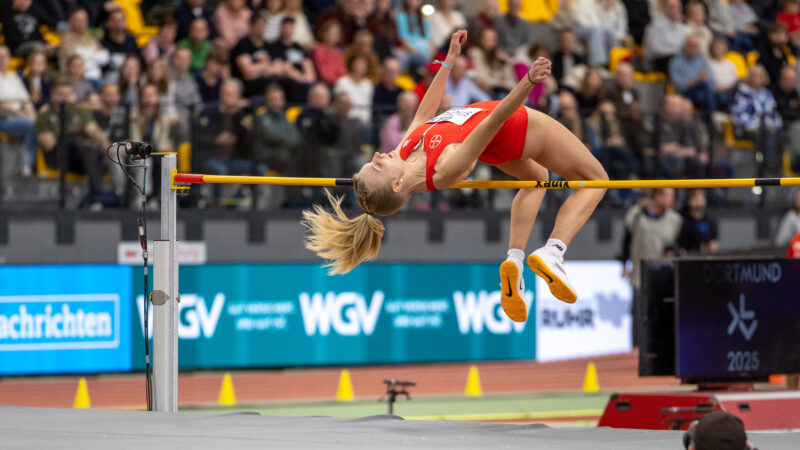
{"points": [[202, 388]]}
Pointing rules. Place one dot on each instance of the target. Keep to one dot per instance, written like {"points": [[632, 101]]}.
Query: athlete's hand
{"points": [[540, 70], [457, 39]]}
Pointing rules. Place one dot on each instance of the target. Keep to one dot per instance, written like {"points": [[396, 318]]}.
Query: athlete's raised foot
{"points": [[512, 292], [548, 266]]}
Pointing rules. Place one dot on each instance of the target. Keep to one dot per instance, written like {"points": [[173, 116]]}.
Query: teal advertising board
{"points": [[276, 315]]}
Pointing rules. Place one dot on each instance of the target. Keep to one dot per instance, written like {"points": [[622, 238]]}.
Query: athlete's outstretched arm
{"points": [[433, 96], [460, 162]]}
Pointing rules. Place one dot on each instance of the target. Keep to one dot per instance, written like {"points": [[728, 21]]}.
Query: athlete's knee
{"points": [[540, 173]]}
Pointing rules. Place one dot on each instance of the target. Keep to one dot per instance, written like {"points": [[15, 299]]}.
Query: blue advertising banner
{"points": [[261, 315], [737, 318], [65, 319]]}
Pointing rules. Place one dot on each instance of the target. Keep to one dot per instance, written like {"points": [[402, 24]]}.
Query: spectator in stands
{"points": [[570, 117], [678, 143], [162, 45], [485, 18], [690, 73], [277, 139], [118, 41], [84, 91], [786, 97], [36, 79], [723, 73], [696, 21], [210, 78], [775, 52], [445, 21], [352, 137], [97, 10], [745, 25], [790, 222], [698, 233], [755, 115], [492, 71], [130, 75], [150, 124], [566, 57], [291, 63], [613, 152], [382, 26], [396, 125], [198, 44], [650, 227], [21, 29], [111, 116], [541, 95], [591, 91], [158, 74], [320, 131], [416, 37], [184, 95], [77, 41], [271, 10], [232, 21], [585, 19], [615, 17], [187, 12], [665, 35], [250, 59], [85, 142], [512, 30], [622, 92], [384, 99], [719, 18], [327, 56], [461, 88], [302, 28], [223, 134], [790, 17], [358, 88], [363, 46], [638, 18], [351, 15], [17, 113]]}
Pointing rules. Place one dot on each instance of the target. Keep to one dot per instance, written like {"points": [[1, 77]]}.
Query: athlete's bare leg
{"points": [[561, 152], [526, 203], [524, 209], [568, 157]]}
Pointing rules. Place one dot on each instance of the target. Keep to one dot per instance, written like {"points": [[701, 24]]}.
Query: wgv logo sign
{"points": [[347, 313], [59, 322], [482, 310], [195, 318]]}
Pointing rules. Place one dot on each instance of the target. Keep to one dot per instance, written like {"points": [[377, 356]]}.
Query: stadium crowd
{"points": [[312, 88]]}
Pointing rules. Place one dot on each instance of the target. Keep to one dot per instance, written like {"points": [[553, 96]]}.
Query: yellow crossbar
{"points": [[182, 178]]}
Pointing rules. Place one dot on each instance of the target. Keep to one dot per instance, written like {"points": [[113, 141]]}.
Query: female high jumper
{"points": [[438, 152]]}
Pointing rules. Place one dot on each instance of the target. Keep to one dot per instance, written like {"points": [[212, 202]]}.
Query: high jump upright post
{"points": [[165, 296]]}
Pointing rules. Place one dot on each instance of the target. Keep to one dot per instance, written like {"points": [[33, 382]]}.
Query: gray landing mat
{"points": [[42, 428]]}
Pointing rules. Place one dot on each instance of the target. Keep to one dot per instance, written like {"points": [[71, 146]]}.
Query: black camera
{"points": [[138, 150]]}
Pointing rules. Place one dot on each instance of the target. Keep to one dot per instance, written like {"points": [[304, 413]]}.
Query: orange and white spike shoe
{"points": [[547, 265], [512, 291]]}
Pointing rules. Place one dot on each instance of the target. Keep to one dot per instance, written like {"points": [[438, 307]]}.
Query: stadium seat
{"points": [[50, 36], [135, 21], [618, 55], [732, 141], [406, 83], [185, 157], [42, 171], [787, 165], [292, 112], [738, 61]]}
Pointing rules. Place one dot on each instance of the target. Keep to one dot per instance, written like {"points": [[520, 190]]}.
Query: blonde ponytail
{"points": [[342, 241]]}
